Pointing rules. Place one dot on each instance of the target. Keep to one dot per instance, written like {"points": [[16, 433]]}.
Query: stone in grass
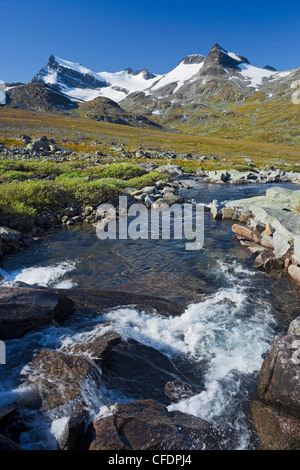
{"points": [[38, 144]]}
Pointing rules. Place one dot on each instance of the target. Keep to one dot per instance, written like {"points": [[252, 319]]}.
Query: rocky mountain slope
{"points": [[106, 110], [221, 94], [83, 84], [40, 97], [222, 74], [37, 97]]}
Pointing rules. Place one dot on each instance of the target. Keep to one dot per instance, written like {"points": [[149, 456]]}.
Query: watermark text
{"points": [[178, 222]]}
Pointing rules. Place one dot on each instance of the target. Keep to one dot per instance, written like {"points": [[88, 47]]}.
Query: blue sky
{"points": [[112, 35]]}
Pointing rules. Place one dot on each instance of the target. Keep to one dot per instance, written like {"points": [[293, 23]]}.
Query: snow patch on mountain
{"points": [[115, 86], [257, 75], [82, 84], [180, 74], [76, 67], [128, 81]]}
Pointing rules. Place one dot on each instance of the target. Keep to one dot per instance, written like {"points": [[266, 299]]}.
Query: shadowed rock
{"points": [[279, 377], [100, 300], [141, 372], [8, 444], [147, 425], [76, 435], [23, 309], [276, 430]]}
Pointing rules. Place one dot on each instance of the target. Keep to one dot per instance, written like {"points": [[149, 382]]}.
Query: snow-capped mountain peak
{"points": [[194, 71], [81, 83]]}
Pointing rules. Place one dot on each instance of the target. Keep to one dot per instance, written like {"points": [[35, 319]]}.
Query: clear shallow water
{"points": [[233, 313]]}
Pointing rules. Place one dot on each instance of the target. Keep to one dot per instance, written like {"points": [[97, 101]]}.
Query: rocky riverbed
{"points": [[268, 227], [185, 374]]}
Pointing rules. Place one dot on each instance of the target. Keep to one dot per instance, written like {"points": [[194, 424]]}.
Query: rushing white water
{"points": [[44, 276], [227, 332]]}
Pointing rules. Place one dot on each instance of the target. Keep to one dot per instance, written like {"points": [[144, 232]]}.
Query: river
{"points": [[233, 313]]}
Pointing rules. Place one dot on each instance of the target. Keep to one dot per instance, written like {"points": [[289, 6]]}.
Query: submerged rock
{"points": [[140, 371]]}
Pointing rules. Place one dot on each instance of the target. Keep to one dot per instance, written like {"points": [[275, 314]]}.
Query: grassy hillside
{"points": [[257, 118], [79, 134]]}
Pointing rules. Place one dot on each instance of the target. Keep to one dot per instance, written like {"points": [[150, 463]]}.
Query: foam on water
{"points": [[227, 333], [44, 276]]}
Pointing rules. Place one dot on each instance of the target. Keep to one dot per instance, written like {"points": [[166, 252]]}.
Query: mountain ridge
{"points": [[79, 82], [220, 94]]}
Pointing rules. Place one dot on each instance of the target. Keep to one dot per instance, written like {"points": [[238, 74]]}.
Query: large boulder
{"points": [[23, 309], [172, 169], [70, 375], [57, 378], [217, 176], [279, 377], [98, 349], [246, 232], [216, 209], [139, 371], [8, 444], [294, 272], [276, 430], [96, 299], [147, 425], [277, 416], [39, 144]]}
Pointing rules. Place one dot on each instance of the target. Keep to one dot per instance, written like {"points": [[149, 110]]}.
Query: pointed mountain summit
{"points": [[219, 59], [63, 74]]}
